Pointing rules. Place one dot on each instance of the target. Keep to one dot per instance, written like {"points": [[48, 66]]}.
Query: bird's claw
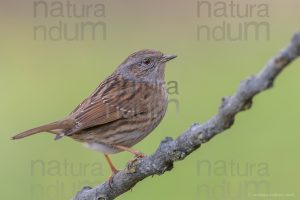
{"points": [[111, 178], [131, 163], [138, 154]]}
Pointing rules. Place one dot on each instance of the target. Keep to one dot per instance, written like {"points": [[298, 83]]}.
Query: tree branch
{"points": [[171, 150]]}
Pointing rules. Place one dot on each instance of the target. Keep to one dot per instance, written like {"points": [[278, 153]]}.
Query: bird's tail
{"points": [[64, 124]]}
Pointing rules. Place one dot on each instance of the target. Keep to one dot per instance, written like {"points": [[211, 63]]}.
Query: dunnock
{"points": [[122, 110]]}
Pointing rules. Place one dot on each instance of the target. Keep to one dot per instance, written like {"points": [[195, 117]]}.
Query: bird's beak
{"points": [[167, 57]]}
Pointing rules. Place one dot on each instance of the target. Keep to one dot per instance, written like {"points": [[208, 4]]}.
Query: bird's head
{"points": [[145, 65]]}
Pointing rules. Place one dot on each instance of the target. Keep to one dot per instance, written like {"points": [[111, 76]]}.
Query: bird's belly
{"points": [[105, 145], [100, 147]]}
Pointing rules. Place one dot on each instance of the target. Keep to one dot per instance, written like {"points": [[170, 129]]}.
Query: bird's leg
{"points": [[137, 153], [114, 170], [112, 167]]}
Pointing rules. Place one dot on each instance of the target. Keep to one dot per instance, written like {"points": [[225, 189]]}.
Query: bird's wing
{"points": [[114, 99]]}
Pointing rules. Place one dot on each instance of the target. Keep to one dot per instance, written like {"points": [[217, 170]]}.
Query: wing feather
{"points": [[114, 99]]}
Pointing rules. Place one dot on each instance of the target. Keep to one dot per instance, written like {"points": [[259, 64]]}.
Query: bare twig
{"points": [[171, 150]]}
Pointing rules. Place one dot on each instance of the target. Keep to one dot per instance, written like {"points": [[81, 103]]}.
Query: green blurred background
{"points": [[43, 80]]}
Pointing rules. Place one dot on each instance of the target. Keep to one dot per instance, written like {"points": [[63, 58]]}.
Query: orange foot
{"points": [[137, 154]]}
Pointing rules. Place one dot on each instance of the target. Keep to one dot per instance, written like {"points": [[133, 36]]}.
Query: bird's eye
{"points": [[146, 61]]}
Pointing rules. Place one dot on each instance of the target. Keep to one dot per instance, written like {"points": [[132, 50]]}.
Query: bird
{"points": [[126, 107]]}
